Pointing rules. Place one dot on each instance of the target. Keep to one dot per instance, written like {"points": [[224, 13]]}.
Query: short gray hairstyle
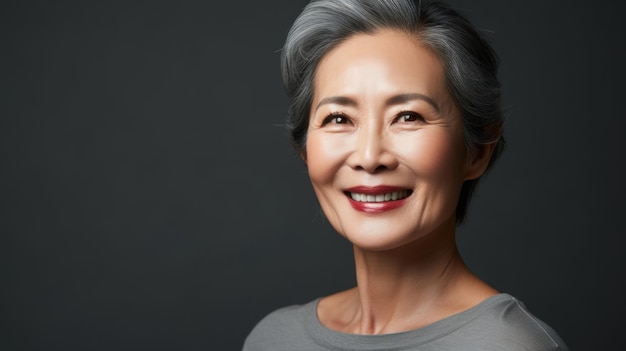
{"points": [[470, 63]]}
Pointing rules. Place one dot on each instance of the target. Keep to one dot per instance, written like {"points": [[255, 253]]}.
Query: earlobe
{"points": [[478, 160], [303, 156]]}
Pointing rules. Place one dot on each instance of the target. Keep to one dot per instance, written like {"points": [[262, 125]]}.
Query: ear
{"points": [[478, 160], [303, 155]]}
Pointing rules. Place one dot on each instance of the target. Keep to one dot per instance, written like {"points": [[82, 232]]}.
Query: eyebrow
{"points": [[394, 100]]}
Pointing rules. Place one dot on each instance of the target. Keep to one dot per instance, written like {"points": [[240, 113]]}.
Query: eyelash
{"points": [[332, 117], [416, 115]]}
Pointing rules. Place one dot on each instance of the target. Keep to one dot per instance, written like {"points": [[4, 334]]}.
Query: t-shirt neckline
{"points": [[336, 340]]}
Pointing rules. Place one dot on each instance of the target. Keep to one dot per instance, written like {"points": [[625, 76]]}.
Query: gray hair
{"points": [[470, 63]]}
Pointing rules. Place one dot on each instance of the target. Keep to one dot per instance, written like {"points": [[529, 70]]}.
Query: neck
{"points": [[410, 286]]}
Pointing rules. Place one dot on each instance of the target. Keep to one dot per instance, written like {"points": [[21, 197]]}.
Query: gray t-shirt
{"points": [[501, 322]]}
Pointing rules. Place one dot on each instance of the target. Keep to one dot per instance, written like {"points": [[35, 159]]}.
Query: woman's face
{"points": [[385, 149]]}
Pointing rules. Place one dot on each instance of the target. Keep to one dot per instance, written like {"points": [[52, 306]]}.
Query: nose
{"points": [[372, 152]]}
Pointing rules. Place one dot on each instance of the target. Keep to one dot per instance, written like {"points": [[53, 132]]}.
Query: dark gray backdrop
{"points": [[149, 199]]}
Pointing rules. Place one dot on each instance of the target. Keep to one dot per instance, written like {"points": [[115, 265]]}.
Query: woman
{"points": [[395, 109]]}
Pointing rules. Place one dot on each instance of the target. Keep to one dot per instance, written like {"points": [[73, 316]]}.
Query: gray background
{"points": [[149, 199]]}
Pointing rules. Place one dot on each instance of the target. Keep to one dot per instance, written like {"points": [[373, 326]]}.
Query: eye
{"points": [[409, 116], [336, 118]]}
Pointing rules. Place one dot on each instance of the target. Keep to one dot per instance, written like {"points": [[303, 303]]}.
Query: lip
{"points": [[376, 207], [374, 190]]}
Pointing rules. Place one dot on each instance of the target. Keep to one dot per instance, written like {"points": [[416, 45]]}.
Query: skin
{"points": [[381, 115]]}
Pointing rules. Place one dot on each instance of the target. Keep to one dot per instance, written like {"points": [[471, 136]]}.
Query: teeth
{"points": [[395, 195]]}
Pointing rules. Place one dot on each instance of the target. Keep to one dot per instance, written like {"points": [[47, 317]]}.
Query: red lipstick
{"points": [[373, 190], [400, 195]]}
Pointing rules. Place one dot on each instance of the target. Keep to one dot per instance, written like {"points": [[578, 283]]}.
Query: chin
{"points": [[376, 236], [374, 240]]}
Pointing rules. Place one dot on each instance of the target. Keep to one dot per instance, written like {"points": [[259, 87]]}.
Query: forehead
{"points": [[387, 61]]}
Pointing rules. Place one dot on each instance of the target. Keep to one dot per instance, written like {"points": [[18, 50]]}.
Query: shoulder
{"points": [[281, 318], [284, 323], [506, 324]]}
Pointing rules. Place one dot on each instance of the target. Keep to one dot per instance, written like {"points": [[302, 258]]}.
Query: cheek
{"points": [[323, 157], [435, 155]]}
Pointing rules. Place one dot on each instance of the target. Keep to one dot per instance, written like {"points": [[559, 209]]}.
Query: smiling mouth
{"points": [[390, 196]]}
